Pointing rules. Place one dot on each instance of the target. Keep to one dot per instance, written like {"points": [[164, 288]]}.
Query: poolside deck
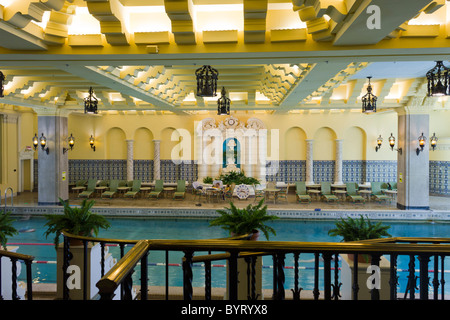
{"points": [[27, 203]]}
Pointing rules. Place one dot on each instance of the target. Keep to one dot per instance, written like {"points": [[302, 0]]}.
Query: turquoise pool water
{"points": [[44, 270]]}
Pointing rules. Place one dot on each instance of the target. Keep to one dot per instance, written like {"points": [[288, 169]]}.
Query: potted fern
{"points": [[359, 229], [6, 228], [75, 220], [249, 220]]}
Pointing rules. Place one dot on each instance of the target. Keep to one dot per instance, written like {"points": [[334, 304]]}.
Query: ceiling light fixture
{"points": [[206, 81], [369, 100], [438, 80], [223, 104], [90, 102]]}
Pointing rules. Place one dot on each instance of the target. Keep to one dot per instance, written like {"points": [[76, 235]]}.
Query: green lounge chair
{"points": [[114, 184], [377, 194], [181, 190], [301, 193], [89, 190], [159, 184], [282, 194], [135, 188], [352, 192], [260, 192], [325, 190]]}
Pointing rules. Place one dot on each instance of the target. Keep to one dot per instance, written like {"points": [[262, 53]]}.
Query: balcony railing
{"points": [[16, 258], [424, 249]]}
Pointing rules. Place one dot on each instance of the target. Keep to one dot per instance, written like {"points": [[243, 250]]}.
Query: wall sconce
{"points": [[433, 141], [379, 142], [2, 79], [421, 144], [42, 141], [91, 142], [392, 144], [71, 141]]}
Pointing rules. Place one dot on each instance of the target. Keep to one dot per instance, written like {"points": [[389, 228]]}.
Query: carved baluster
{"points": [[424, 259], [14, 279], [207, 280], [296, 290], [355, 285], [393, 280], [327, 275], [280, 276], [375, 292], [187, 275], [316, 291], [337, 285]]}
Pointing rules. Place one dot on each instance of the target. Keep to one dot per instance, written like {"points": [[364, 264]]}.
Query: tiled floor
{"points": [[31, 199]]}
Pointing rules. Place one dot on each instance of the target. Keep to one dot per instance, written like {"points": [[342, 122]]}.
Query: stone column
{"points": [[413, 166], [309, 162], [262, 155], [157, 160], [53, 168], [130, 169], [338, 163]]}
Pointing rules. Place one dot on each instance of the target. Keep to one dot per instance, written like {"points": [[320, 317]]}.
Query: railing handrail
{"points": [[120, 273], [15, 255], [116, 275]]}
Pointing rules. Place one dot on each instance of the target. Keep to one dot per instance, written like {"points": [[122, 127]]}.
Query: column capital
{"points": [[419, 105]]}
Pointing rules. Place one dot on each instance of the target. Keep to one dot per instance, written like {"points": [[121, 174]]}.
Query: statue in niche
{"points": [[230, 157]]}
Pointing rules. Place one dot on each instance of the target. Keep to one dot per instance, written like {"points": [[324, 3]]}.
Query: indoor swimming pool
{"points": [[32, 241]]}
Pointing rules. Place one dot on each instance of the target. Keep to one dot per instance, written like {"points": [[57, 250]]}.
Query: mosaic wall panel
{"points": [[354, 171], [439, 174], [171, 172], [382, 171], [143, 170], [289, 171], [323, 170]]}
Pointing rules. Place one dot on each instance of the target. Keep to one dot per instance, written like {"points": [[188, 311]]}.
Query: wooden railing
{"points": [[232, 250]]}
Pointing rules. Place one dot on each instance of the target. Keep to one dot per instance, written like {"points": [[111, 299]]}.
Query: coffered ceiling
{"points": [[274, 56]]}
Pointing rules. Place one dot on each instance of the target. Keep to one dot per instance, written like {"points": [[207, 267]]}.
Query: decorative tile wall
{"points": [[288, 171], [323, 170], [382, 171], [439, 176]]}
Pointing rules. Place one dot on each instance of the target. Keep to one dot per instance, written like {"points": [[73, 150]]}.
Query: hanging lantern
{"points": [[223, 104], [438, 80], [90, 102], [369, 100], [206, 81]]}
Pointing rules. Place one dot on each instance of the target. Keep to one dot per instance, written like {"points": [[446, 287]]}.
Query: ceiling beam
{"points": [[315, 78], [390, 15], [96, 75]]}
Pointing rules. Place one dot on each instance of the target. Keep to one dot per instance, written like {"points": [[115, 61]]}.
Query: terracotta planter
{"points": [[255, 235]]}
